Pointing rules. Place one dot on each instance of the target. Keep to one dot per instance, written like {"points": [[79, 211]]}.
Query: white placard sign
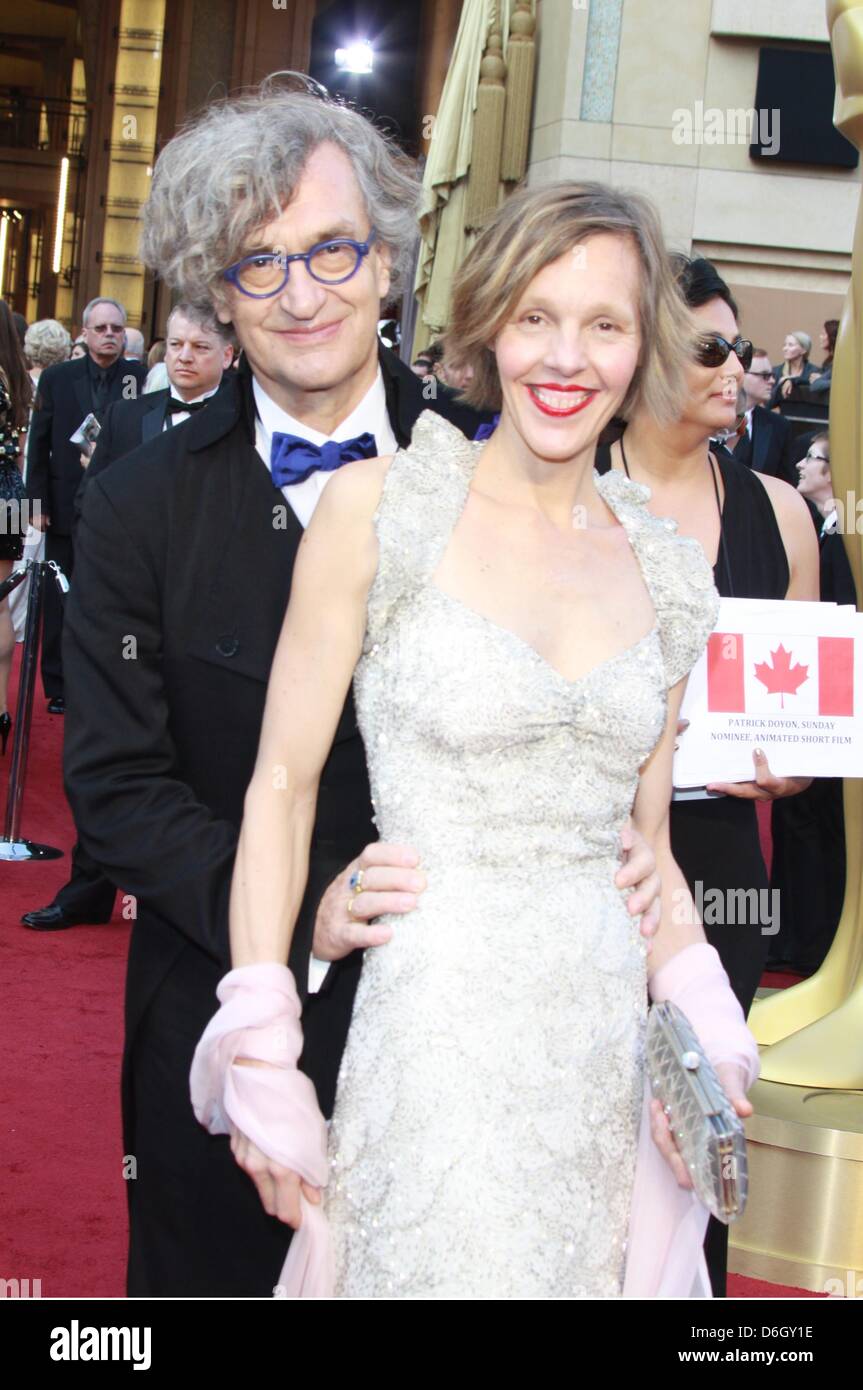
{"points": [[784, 677]]}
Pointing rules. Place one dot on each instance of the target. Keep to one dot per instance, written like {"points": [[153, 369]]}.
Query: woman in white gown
{"points": [[519, 631]]}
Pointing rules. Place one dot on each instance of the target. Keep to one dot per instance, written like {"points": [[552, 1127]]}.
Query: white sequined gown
{"points": [[484, 1136]]}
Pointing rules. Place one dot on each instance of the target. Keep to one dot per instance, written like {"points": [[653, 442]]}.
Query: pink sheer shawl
{"points": [[277, 1109]]}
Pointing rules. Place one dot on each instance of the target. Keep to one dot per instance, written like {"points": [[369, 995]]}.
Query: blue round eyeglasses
{"points": [[265, 273]]}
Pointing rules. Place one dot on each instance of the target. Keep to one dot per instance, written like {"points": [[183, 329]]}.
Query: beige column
{"points": [[100, 61], [438, 28], [271, 38]]}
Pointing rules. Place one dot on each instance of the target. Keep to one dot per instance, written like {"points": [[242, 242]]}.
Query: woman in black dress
{"points": [[758, 536], [15, 393], [808, 869]]}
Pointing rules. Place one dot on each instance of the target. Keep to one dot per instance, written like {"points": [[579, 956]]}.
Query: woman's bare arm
{"points": [[679, 925], [318, 649]]}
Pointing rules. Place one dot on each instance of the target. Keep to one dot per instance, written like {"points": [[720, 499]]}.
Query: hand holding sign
{"points": [[781, 678]]}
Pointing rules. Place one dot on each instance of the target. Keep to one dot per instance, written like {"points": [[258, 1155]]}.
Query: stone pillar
{"points": [[438, 29], [271, 38], [101, 38]]}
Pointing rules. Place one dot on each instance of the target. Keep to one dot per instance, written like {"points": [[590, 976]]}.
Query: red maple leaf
{"points": [[781, 678]]}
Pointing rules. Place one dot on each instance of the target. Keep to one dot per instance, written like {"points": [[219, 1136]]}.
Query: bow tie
{"points": [[486, 431], [177, 407], [293, 459]]}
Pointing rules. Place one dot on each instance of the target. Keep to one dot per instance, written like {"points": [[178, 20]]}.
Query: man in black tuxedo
{"points": [[766, 439], [67, 393], [198, 351], [186, 550]]}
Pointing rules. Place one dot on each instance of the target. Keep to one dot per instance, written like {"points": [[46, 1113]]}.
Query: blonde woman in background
{"points": [[795, 368]]}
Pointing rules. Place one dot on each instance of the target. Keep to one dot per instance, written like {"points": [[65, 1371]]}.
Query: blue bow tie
{"points": [[293, 459], [486, 431]]}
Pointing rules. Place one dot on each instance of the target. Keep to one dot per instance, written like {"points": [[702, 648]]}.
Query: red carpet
{"points": [[61, 1186]]}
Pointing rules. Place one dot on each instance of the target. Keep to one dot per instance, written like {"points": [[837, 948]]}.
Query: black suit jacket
{"points": [[126, 426], [63, 399], [836, 578], [181, 584], [771, 449]]}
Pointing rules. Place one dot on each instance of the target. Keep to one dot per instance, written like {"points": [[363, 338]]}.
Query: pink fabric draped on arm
{"points": [[276, 1107], [667, 1222]]}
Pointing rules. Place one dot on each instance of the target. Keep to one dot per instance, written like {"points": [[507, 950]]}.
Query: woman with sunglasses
{"points": [[759, 539]]}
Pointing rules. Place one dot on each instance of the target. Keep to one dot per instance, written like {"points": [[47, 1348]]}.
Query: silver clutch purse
{"points": [[707, 1129]]}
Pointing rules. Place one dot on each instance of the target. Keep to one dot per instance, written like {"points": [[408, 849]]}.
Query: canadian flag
{"points": [[757, 674]]}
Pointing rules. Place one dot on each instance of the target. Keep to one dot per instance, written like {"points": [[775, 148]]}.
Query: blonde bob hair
{"points": [[530, 230]]}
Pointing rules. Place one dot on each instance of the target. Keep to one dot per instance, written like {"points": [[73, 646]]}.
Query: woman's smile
{"points": [[559, 400]]}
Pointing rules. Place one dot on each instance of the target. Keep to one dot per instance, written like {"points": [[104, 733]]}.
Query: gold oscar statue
{"points": [[815, 1029]]}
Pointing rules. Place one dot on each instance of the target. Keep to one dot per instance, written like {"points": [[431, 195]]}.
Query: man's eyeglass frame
{"points": [[362, 248]]}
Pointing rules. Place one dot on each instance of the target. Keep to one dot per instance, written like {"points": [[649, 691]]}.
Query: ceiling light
{"points": [[357, 57]]}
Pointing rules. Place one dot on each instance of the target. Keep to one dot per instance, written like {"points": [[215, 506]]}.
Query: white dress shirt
{"points": [[829, 525], [179, 416], [370, 415]]}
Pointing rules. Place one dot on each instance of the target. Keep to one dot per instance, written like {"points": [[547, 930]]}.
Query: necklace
{"points": [[723, 548]]}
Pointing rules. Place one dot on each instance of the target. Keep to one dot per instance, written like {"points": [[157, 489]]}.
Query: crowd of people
{"points": [[398, 804]]}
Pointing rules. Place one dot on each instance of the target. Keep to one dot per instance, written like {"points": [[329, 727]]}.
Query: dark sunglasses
{"points": [[713, 350]]}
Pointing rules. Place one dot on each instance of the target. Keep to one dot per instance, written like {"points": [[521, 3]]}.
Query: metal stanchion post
{"points": [[11, 846]]}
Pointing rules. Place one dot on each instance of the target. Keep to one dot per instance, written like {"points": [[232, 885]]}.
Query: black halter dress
{"points": [[715, 841]]}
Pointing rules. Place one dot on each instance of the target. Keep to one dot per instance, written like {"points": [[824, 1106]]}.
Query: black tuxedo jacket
{"points": [[771, 449], [63, 399], [126, 426], [836, 579], [181, 584]]}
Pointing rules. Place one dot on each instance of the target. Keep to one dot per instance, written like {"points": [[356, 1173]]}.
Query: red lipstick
{"points": [[584, 393]]}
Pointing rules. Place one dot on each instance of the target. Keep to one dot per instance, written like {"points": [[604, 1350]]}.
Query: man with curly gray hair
{"points": [[296, 218]]}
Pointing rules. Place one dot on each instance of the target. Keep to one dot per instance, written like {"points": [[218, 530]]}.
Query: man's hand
{"points": [[639, 871], [392, 882], [766, 787]]}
